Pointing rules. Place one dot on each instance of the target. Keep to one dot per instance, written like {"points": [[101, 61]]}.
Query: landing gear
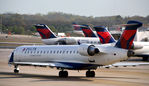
{"points": [[63, 74], [16, 69], [90, 73]]}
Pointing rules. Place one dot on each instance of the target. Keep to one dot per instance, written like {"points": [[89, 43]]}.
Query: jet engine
{"points": [[130, 53], [88, 50], [67, 41]]}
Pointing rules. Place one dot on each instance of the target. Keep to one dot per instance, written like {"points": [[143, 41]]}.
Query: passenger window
{"points": [[50, 51], [63, 51], [44, 52], [70, 52], [73, 51], [47, 51], [40, 52], [37, 51], [57, 51], [53, 52]]}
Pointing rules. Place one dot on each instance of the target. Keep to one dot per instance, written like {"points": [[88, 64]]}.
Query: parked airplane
{"points": [[74, 57], [49, 38]]}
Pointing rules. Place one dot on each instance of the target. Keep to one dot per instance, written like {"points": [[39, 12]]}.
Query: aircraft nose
{"points": [[11, 58]]}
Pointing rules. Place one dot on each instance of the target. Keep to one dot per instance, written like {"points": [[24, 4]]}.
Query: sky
{"points": [[95, 8]]}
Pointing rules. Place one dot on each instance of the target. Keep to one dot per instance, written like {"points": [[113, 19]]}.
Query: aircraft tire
{"points": [[16, 71], [90, 74], [145, 58], [63, 74]]}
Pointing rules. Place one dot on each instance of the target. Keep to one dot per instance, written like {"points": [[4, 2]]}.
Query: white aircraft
{"points": [[49, 38], [74, 57]]}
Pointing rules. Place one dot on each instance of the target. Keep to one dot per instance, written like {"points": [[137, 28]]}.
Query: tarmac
{"points": [[45, 76]]}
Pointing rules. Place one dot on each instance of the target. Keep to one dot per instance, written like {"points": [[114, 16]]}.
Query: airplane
{"points": [[49, 38], [75, 57]]}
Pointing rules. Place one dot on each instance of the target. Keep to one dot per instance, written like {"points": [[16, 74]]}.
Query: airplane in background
{"points": [[49, 38], [75, 57]]}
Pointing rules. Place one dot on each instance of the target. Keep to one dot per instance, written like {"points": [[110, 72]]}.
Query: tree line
{"points": [[58, 22]]}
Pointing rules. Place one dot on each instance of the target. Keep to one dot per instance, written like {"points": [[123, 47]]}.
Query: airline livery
{"points": [[74, 57], [88, 32]]}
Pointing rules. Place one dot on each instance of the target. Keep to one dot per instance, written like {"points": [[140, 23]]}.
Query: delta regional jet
{"points": [[76, 57]]}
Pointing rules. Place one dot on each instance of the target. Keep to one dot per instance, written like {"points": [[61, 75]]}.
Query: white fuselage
{"points": [[72, 40], [68, 54], [143, 51]]}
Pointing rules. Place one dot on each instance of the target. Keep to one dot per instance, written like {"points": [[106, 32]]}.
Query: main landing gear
{"points": [[63, 74], [16, 69], [90, 73]]}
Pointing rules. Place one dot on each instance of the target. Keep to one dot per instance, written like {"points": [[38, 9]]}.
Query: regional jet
{"points": [[75, 57]]}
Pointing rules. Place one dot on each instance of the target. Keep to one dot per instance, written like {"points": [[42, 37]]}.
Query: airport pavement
{"points": [[38, 76]]}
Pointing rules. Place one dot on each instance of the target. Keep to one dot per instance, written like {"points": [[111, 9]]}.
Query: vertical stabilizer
{"points": [[127, 37]]}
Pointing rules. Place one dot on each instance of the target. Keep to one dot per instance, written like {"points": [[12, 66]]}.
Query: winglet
{"points": [[87, 30], [104, 35], [127, 37], [44, 31]]}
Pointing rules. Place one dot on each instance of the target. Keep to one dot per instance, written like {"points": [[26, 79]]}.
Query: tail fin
{"points": [[104, 35], [87, 30], [128, 35], [76, 26], [44, 31]]}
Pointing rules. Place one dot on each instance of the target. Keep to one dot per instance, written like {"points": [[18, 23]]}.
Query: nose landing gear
{"points": [[16, 69]]}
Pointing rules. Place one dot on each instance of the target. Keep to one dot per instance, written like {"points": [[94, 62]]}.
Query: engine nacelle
{"points": [[136, 46], [130, 53], [88, 50], [67, 41]]}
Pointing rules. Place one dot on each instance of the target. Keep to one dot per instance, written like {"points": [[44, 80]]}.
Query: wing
{"points": [[125, 64], [58, 65]]}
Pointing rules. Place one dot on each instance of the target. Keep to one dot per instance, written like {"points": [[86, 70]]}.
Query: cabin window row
{"points": [[50, 52]]}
